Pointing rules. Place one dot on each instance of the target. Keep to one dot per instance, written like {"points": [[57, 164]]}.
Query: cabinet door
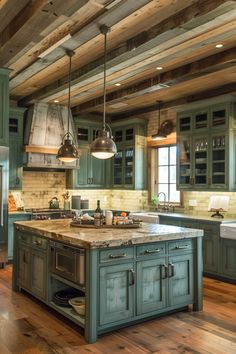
{"points": [[118, 168], [180, 273], [169, 221], [184, 162], [228, 258], [97, 178], [151, 289], [24, 266], [210, 246], [82, 175], [116, 293], [38, 273], [201, 162], [4, 106], [219, 161], [11, 220], [129, 166], [15, 163]]}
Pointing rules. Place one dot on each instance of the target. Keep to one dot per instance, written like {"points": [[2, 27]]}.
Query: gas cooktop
{"points": [[44, 210]]}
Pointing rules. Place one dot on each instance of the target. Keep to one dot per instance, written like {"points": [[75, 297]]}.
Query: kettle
{"points": [[54, 203]]}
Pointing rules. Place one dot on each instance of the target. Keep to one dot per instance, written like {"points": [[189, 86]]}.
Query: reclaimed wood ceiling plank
{"points": [[176, 47], [79, 38]]}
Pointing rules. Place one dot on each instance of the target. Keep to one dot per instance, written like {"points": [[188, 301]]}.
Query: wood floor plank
{"points": [[29, 327]]}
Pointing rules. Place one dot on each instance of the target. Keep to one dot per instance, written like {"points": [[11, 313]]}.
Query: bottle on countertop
{"points": [[98, 215]]}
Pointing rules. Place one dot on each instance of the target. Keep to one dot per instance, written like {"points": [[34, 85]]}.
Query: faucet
{"points": [[164, 199]]}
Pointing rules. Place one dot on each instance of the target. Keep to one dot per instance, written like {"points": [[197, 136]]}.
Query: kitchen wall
{"points": [[39, 187]]}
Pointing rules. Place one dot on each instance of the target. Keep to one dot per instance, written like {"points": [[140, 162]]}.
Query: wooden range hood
{"points": [[46, 125]]}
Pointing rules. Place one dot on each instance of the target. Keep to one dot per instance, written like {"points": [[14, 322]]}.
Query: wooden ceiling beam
{"points": [[145, 42], [28, 26], [204, 94], [196, 69], [8, 10], [88, 32]]}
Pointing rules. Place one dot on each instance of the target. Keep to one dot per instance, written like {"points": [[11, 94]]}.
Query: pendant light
{"points": [[164, 128], [103, 147], [68, 151]]}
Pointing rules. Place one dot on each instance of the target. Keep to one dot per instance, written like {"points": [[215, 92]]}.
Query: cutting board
{"points": [[11, 203]]}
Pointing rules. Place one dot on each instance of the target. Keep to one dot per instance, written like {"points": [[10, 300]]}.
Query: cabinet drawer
{"points": [[116, 254], [39, 242], [152, 249], [180, 246], [23, 237], [190, 224], [209, 229]]}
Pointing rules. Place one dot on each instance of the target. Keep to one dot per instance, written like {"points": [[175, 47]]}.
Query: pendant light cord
{"points": [[104, 81], [70, 53], [159, 114]]}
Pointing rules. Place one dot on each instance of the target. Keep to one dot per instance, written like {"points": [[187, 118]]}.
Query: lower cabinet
{"points": [[229, 258], [159, 276], [11, 219], [151, 285], [219, 255], [32, 265], [116, 293]]}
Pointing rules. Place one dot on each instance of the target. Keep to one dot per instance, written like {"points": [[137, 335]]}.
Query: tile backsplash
{"points": [[39, 187]]}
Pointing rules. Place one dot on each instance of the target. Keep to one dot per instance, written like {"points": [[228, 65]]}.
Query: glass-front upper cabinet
{"points": [[184, 151], [129, 166], [218, 160], [219, 116], [118, 168], [200, 167]]}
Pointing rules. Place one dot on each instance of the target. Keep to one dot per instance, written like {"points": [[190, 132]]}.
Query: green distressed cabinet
{"points": [[151, 287], [93, 172], [116, 288], [219, 254], [129, 164], [4, 106], [123, 285], [229, 258], [206, 140], [32, 264], [11, 219], [16, 146]]}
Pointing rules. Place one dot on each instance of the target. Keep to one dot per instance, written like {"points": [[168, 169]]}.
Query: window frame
{"points": [[154, 173]]}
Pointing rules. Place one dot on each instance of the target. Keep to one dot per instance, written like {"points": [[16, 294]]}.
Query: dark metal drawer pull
{"points": [[132, 272], [153, 251], [114, 256], [181, 247], [165, 268], [172, 270]]}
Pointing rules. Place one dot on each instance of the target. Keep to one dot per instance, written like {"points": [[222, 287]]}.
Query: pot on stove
{"points": [[54, 203]]}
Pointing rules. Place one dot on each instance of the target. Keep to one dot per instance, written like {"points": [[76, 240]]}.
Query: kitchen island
{"points": [[130, 275]]}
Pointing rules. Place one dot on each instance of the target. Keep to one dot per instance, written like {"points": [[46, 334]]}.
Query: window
{"points": [[166, 174]]}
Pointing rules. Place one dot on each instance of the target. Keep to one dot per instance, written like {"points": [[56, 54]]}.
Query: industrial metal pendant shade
{"points": [[68, 151], [164, 128], [103, 147]]}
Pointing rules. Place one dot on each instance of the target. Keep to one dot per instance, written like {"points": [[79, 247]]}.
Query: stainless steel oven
{"points": [[68, 262]]}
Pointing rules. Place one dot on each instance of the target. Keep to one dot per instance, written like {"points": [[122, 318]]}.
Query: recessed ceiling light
{"points": [[56, 101], [220, 45], [159, 67], [117, 84]]}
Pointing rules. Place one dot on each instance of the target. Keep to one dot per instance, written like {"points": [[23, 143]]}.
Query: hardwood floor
{"points": [[27, 326]]}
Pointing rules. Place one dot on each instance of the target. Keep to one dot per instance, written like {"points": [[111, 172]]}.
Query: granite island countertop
{"points": [[60, 230]]}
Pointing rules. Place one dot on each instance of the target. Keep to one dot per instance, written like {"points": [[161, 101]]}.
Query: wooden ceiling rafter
{"points": [[62, 85]]}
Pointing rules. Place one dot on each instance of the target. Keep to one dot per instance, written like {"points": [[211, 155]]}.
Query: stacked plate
{"points": [[62, 297]]}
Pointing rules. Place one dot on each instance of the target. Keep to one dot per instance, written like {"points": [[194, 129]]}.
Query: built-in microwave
{"points": [[68, 262]]}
